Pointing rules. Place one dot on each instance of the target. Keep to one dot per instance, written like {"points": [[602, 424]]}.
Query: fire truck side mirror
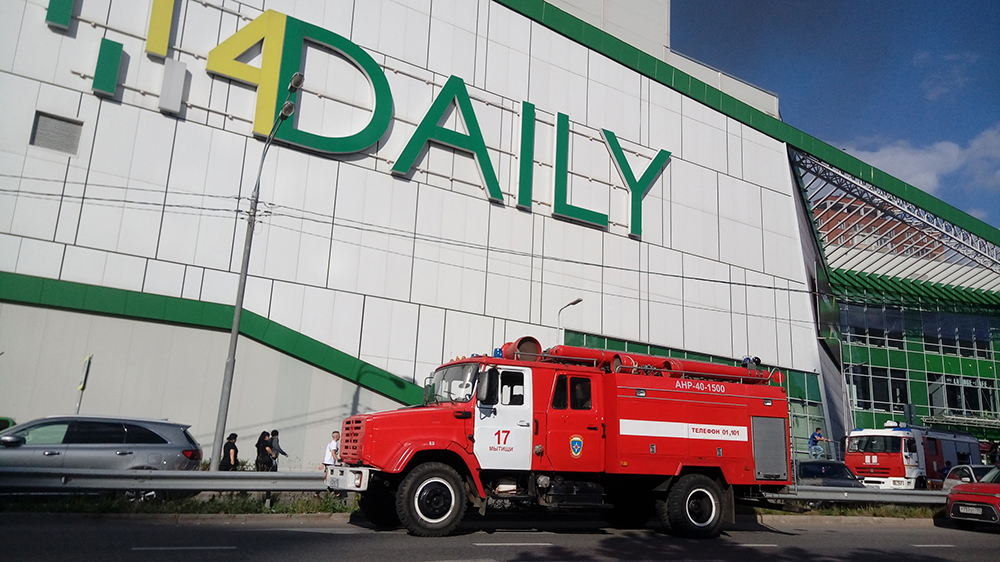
{"points": [[488, 388]]}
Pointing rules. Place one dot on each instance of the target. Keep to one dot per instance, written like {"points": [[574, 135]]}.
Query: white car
{"points": [[965, 474]]}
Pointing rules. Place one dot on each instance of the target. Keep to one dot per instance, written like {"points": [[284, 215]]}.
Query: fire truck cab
{"points": [[571, 427], [903, 457]]}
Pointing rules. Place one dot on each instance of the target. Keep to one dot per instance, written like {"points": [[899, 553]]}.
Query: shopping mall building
{"points": [[455, 174]]}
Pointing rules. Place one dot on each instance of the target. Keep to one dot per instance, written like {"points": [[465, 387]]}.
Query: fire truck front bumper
{"points": [[348, 478]]}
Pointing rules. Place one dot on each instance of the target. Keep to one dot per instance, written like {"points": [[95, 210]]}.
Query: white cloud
{"points": [[977, 164], [945, 74]]}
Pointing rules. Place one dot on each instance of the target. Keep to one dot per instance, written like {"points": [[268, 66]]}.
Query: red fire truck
{"points": [[902, 457], [631, 435]]}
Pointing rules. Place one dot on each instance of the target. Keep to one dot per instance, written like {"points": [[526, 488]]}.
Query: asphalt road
{"points": [[50, 538]]}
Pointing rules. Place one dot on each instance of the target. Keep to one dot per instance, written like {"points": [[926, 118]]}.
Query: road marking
{"points": [[933, 546], [758, 545], [183, 548], [511, 544]]}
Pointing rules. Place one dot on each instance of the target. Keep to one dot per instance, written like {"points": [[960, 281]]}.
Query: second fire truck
{"points": [[902, 457], [631, 435]]}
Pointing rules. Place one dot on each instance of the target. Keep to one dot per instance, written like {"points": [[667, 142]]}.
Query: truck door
{"points": [[575, 441], [503, 424]]}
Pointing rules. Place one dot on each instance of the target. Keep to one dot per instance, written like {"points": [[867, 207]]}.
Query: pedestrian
{"points": [[265, 455], [332, 455], [815, 449], [275, 450], [230, 454], [946, 469]]}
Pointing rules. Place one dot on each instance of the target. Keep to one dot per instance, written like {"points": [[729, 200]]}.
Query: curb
{"points": [[843, 520]]}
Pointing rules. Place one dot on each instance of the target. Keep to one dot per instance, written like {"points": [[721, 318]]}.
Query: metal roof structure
{"points": [[864, 229]]}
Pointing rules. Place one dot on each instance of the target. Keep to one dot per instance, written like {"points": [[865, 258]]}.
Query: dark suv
{"points": [[99, 442]]}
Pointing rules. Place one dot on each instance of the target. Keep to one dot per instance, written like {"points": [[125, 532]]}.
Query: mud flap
{"points": [[728, 505]]}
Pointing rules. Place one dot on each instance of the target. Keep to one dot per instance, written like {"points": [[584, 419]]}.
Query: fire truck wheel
{"points": [[921, 483], [431, 500], [693, 507], [378, 504]]}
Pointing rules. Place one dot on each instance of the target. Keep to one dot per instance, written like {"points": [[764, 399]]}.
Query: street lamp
{"points": [[562, 332], [227, 379]]}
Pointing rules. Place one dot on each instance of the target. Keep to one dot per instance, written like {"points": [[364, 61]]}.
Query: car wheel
{"points": [[378, 504], [694, 507], [431, 500]]}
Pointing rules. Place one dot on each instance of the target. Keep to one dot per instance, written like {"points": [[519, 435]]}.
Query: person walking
{"points": [[275, 450], [265, 455], [230, 454], [815, 449]]}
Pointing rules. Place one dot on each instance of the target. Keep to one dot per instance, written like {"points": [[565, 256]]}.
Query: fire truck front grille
{"points": [[872, 471], [352, 435]]}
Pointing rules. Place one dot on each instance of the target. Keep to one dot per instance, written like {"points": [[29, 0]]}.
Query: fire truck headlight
{"points": [[767, 401], [357, 479]]}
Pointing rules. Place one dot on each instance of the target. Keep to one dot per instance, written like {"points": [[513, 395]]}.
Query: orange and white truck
{"points": [[571, 427], [904, 457]]}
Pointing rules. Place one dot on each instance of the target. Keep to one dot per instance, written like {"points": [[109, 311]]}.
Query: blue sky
{"points": [[911, 87]]}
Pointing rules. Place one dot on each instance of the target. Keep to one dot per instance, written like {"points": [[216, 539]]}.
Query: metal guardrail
{"points": [[871, 495], [80, 480]]}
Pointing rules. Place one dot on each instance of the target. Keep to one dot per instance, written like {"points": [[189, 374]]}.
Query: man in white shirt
{"points": [[332, 455]]}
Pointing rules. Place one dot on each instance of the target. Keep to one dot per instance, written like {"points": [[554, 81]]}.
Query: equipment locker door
{"points": [[575, 440], [503, 430]]}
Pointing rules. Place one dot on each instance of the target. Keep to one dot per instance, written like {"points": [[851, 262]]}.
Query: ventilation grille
{"points": [[770, 448], [56, 133]]}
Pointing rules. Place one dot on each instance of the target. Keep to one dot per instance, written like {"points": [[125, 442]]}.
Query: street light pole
{"points": [[227, 379], [562, 332]]}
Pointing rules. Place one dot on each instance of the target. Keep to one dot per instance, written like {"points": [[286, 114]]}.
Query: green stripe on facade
{"points": [[78, 297], [644, 63], [109, 62]]}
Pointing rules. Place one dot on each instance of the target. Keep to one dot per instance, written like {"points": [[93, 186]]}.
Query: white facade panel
{"points": [[405, 270]]}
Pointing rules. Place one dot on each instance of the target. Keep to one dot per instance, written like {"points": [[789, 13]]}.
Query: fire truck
{"points": [[571, 427], [907, 457]]}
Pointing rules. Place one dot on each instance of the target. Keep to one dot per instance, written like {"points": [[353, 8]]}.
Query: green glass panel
{"points": [[637, 348], [881, 418], [935, 363], [859, 355], [952, 365], [865, 420], [918, 393], [659, 351], [922, 411], [897, 359], [575, 339], [914, 345], [878, 357], [915, 361], [615, 345], [796, 384], [812, 387], [595, 342], [987, 368], [917, 375], [699, 357]]}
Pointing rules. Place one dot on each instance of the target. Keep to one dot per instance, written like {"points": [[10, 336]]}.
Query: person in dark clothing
{"points": [[265, 455], [275, 450], [230, 454]]}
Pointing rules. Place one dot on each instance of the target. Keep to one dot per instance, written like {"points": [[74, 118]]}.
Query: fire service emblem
{"points": [[576, 446]]}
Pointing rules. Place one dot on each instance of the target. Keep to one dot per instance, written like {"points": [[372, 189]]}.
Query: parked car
{"points": [[976, 502], [826, 473], [964, 474], [99, 442]]}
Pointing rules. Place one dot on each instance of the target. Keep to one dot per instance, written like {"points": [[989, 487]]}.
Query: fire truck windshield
{"points": [[874, 444], [452, 384]]}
